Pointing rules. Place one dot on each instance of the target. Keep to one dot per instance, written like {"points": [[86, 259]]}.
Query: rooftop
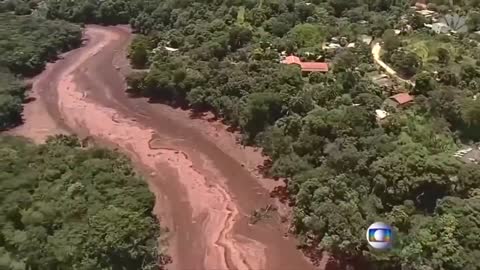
{"points": [[170, 49], [402, 98], [381, 114], [291, 59], [306, 66], [382, 80], [314, 66], [426, 12], [366, 39]]}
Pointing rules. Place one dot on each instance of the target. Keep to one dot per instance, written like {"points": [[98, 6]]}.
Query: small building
{"points": [[440, 28], [468, 155], [291, 59], [366, 39], [426, 13], [331, 46], [383, 81], [400, 100], [306, 66], [381, 114], [170, 49]]}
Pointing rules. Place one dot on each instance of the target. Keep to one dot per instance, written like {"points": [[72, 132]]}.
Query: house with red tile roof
{"points": [[400, 99], [306, 66]]}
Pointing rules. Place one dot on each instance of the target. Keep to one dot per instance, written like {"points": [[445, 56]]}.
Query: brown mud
{"points": [[206, 185]]}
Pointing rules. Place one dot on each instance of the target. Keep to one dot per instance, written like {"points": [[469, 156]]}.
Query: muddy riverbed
{"points": [[206, 185]]}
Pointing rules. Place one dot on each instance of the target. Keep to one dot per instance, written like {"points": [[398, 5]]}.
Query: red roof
{"points": [[292, 59], [402, 98], [314, 66], [420, 6], [306, 66]]}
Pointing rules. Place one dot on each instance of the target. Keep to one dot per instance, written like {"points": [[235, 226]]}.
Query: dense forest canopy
{"points": [[27, 43], [62, 207], [345, 169]]}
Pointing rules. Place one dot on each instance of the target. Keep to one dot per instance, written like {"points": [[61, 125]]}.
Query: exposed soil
{"points": [[376, 52], [205, 184]]}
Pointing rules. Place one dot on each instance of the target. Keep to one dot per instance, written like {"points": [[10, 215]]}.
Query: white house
{"points": [[366, 39], [381, 114], [171, 49], [440, 28]]}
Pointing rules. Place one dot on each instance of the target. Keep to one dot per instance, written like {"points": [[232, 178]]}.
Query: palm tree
{"points": [[455, 22]]}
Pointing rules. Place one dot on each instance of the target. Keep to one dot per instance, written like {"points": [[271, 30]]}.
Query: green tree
{"points": [[10, 110], [443, 55], [139, 51], [417, 21], [135, 83], [471, 112], [239, 36], [391, 42], [342, 5], [278, 27], [424, 83], [260, 110], [307, 35], [473, 21], [22, 8], [345, 60], [406, 63]]}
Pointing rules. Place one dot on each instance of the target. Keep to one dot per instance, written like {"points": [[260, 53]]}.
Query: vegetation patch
{"points": [[26, 44], [63, 207]]}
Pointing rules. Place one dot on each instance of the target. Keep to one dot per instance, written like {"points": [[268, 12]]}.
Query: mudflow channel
{"points": [[204, 195]]}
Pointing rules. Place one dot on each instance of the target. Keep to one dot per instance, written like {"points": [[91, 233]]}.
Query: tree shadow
{"points": [[282, 194], [174, 103], [264, 169], [29, 99]]}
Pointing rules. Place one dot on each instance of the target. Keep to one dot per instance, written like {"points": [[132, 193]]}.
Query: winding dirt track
{"points": [[376, 49], [205, 191]]}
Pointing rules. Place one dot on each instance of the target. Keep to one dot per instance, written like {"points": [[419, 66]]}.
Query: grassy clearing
{"points": [[426, 47]]}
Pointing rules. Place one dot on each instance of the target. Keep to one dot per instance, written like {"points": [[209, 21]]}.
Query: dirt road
{"points": [[203, 183], [376, 49]]}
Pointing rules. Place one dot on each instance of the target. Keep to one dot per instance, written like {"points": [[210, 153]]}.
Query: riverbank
{"points": [[207, 181]]}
